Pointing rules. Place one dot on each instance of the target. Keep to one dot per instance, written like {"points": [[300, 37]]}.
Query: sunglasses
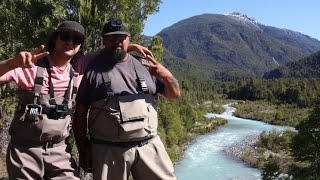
{"points": [[115, 37], [67, 36]]}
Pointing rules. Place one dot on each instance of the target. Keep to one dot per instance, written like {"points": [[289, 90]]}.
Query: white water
{"points": [[205, 159]]}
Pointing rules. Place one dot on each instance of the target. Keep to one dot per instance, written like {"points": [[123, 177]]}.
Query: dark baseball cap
{"points": [[71, 25], [115, 26]]}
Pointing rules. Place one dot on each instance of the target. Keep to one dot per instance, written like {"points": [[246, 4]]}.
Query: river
{"points": [[204, 158]]}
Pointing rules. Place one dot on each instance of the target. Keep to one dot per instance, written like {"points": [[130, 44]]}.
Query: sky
{"points": [[298, 15]]}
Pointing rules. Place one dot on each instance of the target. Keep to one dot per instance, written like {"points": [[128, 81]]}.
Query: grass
{"points": [[282, 114]]}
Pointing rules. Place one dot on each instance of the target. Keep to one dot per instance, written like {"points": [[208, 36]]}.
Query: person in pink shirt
{"points": [[47, 86]]}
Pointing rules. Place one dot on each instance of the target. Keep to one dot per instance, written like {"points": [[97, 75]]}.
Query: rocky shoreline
{"points": [[237, 150]]}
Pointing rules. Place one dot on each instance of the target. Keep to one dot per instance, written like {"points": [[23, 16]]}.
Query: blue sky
{"points": [[299, 15]]}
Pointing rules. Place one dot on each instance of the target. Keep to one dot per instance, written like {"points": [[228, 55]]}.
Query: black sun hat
{"points": [[115, 26], [71, 25]]}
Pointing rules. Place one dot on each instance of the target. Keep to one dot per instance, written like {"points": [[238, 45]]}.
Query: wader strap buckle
{"points": [[33, 111], [144, 86]]}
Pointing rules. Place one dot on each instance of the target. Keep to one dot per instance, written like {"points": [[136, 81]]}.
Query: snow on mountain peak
{"points": [[245, 19]]}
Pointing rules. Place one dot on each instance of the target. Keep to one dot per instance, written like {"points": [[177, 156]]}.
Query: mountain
{"points": [[231, 46], [286, 36], [308, 67]]}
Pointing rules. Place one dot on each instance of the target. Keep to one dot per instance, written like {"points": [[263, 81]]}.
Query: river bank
{"points": [[219, 154], [275, 114], [238, 149], [210, 126]]}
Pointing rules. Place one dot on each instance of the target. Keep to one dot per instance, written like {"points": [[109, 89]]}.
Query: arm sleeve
{"points": [[9, 76], [24, 78]]}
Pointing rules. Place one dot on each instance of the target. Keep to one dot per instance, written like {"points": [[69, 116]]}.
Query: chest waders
{"points": [[42, 118], [124, 120]]}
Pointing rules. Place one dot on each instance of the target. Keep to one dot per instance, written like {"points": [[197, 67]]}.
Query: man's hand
{"points": [[171, 85], [139, 49], [26, 59], [156, 69]]}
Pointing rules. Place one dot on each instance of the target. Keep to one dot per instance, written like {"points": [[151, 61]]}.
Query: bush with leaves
{"points": [[306, 147]]}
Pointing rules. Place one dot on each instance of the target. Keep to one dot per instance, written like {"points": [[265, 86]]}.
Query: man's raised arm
{"points": [[24, 59]]}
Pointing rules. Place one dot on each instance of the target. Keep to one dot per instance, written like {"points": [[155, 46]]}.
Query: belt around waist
{"points": [[50, 110], [44, 144], [128, 144]]}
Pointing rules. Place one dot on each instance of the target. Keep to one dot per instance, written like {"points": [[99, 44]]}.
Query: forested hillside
{"points": [[301, 92], [224, 48], [308, 67]]}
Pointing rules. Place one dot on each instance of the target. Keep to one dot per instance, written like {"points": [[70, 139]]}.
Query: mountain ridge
{"points": [[223, 45], [308, 67]]}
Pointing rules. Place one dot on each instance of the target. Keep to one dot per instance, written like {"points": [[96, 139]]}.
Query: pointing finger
{"points": [[38, 50], [150, 58], [151, 54], [39, 56], [149, 65], [28, 60], [143, 54], [147, 52]]}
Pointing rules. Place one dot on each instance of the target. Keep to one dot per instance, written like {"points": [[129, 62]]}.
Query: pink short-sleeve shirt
{"points": [[24, 77]]}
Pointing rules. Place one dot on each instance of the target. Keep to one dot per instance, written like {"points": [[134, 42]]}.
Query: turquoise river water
{"points": [[204, 158]]}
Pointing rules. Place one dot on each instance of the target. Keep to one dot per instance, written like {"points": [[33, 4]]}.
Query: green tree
{"points": [[306, 145], [94, 13], [27, 23], [156, 47], [271, 169]]}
